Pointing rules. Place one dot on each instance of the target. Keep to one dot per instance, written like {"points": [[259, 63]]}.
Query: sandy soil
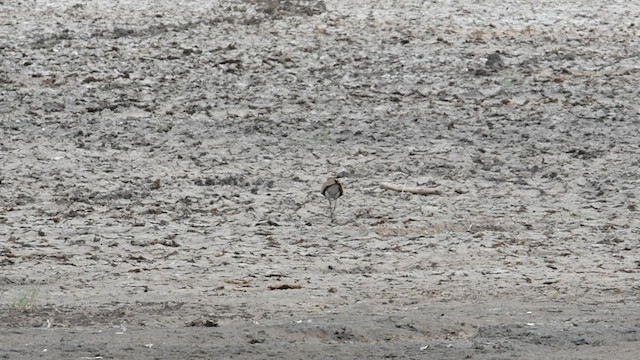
{"points": [[161, 165]]}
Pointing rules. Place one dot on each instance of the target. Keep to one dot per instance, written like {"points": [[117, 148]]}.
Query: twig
{"points": [[413, 190]]}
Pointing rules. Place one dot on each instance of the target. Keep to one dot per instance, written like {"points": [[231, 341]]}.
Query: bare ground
{"points": [[161, 164]]}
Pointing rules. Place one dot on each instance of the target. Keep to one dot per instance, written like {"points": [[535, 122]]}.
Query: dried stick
{"points": [[413, 190]]}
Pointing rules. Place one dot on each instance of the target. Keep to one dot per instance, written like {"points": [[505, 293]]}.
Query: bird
{"points": [[332, 190]]}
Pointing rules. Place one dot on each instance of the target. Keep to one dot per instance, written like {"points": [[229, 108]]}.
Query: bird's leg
{"points": [[335, 205], [330, 210]]}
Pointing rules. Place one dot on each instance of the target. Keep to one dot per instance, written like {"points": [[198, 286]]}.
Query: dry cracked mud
{"points": [[161, 161]]}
